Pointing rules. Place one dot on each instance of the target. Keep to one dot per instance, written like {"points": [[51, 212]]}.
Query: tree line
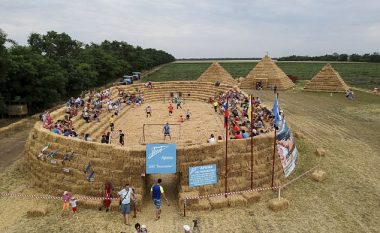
{"points": [[53, 67], [374, 57]]}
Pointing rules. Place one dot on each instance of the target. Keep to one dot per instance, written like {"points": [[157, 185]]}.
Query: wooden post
{"points": [[184, 208], [251, 133], [274, 153], [144, 132], [226, 160]]}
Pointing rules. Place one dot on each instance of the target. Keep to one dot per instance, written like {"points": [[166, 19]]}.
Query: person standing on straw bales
{"points": [[166, 131], [112, 121], [66, 202], [157, 190], [125, 202]]}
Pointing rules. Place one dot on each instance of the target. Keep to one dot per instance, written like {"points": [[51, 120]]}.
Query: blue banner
{"points": [[202, 175], [161, 158]]}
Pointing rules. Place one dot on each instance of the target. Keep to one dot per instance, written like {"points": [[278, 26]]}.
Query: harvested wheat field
{"points": [[348, 200]]}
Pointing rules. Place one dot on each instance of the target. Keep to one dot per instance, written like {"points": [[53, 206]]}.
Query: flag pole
{"points": [[225, 178], [274, 144], [274, 153], [251, 133]]}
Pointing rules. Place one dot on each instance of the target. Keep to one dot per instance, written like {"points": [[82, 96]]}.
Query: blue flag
{"points": [[276, 112]]}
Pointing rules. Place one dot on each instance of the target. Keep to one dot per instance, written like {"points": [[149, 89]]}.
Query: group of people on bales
{"points": [[91, 106], [234, 106]]}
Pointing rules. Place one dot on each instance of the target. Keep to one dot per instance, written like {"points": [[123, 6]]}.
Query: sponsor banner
{"points": [[286, 148], [202, 175], [161, 158]]}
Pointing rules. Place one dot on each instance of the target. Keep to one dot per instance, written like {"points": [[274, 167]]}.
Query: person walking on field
{"points": [[125, 202], [166, 131], [216, 104], [148, 111], [66, 202], [157, 190], [121, 137], [170, 108]]}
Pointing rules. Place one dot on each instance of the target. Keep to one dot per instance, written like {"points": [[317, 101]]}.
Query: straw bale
{"points": [[203, 204], [218, 202], [319, 175], [320, 152], [184, 195], [299, 135], [252, 197], [40, 211], [278, 204], [236, 200]]}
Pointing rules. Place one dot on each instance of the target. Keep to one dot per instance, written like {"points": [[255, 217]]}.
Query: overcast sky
{"points": [[216, 28]]}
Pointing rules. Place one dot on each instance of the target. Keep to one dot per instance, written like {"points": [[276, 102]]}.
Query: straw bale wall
{"points": [[120, 165]]}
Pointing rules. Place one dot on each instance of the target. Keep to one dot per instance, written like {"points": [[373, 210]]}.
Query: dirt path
{"points": [[12, 145]]}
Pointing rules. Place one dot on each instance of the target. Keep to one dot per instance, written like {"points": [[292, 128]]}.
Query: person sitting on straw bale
{"points": [[238, 135], [220, 138], [212, 139], [375, 90]]}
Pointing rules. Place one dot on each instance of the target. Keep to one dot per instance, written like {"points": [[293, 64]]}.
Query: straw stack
{"points": [[217, 73], [269, 74], [327, 80]]}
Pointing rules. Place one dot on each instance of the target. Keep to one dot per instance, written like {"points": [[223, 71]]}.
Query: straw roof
{"points": [[215, 72], [327, 79], [269, 74]]}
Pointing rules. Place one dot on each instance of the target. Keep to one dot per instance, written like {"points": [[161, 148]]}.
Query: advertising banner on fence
{"points": [[161, 158], [286, 148], [202, 175]]}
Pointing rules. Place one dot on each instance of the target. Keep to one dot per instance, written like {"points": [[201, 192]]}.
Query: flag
{"points": [[276, 112], [226, 114], [250, 109]]}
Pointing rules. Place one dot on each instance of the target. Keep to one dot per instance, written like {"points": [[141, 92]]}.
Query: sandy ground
{"points": [[203, 122], [348, 201]]}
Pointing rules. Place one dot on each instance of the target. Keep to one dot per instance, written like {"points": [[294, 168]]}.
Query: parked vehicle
{"points": [[127, 80], [136, 75]]}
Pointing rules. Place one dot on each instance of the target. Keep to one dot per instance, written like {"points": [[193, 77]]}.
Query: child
{"points": [[66, 204], [73, 203]]}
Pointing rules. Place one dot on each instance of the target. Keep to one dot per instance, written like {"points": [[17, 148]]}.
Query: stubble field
{"points": [[348, 201]]}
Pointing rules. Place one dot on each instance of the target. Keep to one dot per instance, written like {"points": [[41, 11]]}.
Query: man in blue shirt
{"points": [[157, 190]]}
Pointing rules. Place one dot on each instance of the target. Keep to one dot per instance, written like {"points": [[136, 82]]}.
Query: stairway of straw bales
{"points": [[327, 79]]}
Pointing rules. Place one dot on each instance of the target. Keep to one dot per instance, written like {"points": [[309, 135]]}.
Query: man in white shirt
{"points": [[212, 139], [125, 200]]}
